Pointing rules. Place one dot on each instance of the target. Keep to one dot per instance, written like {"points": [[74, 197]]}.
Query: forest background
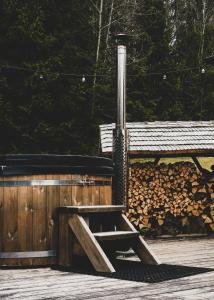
{"points": [[58, 75]]}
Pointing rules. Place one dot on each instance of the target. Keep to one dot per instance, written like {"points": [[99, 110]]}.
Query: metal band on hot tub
{"points": [[28, 254], [46, 182]]}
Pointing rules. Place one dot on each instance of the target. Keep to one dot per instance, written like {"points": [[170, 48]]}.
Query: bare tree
{"points": [[99, 12], [108, 27], [204, 15]]}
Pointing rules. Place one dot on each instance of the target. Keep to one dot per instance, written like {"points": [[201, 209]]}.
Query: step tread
{"points": [[92, 209], [115, 235]]}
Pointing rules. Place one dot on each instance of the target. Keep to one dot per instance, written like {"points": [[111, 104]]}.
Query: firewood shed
{"points": [[171, 179]]}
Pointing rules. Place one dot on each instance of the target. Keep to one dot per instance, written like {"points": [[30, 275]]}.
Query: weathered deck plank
{"points": [[36, 284]]}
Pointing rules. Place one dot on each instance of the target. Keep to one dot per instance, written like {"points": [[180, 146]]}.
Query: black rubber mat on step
{"points": [[137, 271]]}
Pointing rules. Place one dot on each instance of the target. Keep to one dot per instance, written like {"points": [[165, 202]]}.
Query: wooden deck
{"points": [[51, 284]]}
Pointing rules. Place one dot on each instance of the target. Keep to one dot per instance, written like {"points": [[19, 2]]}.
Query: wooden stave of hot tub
{"points": [[28, 216]]}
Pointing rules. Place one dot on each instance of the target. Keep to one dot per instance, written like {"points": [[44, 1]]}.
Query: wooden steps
{"points": [[89, 209], [115, 235], [99, 231]]}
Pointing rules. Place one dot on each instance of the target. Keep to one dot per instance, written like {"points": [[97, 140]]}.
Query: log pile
{"points": [[170, 199]]}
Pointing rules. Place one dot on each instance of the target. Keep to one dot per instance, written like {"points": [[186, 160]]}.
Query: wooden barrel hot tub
{"points": [[31, 188]]}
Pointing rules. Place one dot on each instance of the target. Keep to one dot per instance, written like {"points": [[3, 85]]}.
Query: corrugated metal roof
{"points": [[163, 136]]}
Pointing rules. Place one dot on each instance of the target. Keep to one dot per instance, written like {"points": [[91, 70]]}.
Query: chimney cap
{"points": [[121, 38]]}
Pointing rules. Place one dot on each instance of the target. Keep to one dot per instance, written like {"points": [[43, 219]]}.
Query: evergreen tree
{"points": [[43, 109]]}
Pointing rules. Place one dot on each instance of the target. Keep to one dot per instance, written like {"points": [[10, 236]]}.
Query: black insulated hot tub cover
{"points": [[32, 164]]}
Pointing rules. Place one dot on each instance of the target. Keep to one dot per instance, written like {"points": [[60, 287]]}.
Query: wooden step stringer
{"points": [[89, 244], [140, 247]]}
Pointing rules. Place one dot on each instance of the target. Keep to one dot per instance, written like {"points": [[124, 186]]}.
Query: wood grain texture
{"points": [[76, 191], [65, 192], [86, 195], [46, 283], [106, 192], [65, 241], [53, 201], [115, 235], [39, 217], [88, 242], [10, 218], [87, 209], [28, 214], [95, 192], [25, 217]]}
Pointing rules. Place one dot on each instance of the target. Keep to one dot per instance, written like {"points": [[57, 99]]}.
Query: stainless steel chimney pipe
{"points": [[120, 133], [121, 83]]}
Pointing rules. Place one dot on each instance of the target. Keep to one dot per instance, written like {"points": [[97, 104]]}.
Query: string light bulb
{"points": [[41, 76], [203, 71], [164, 77], [83, 78]]}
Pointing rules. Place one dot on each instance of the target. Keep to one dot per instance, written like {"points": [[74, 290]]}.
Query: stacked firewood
{"points": [[170, 195]]}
